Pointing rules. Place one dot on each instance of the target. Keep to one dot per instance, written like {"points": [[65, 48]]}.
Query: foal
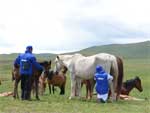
{"points": [[126, 88], [128, 85], [54, 79], [35, 78]]}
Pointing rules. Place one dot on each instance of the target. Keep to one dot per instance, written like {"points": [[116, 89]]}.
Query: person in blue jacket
{"points": [[26, 62], [102, 83]]}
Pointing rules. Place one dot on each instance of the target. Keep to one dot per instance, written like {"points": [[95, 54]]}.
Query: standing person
{"points": [[26, 63], [102, 83]]}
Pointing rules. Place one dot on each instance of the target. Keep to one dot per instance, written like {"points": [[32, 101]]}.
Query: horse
{"points": [[35, 78], [54, 79], [128, 85], [89, 84], [82, 67]]}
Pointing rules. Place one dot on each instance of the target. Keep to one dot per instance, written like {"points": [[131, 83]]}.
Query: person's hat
{"points": [[99, 69], [29, 48]]}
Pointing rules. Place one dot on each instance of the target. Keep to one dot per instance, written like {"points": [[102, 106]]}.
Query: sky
{"points": [[57, 26]]}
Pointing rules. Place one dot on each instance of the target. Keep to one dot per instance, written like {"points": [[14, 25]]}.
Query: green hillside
{"points": [[134, 50], [10, 57]]}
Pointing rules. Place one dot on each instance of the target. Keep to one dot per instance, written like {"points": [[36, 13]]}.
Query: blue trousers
{"points": [[25, 87]]}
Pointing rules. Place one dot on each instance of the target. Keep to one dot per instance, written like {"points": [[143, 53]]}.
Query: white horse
{"points": [[82, 67]]}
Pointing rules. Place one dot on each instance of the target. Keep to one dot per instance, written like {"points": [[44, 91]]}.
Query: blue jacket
{"points": [[27, 62], [102, 85]]}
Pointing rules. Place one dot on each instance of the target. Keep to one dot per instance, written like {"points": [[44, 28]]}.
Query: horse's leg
{"points": [[112, 90], [17, 82], [113, 83], [86, 84], [62, 88], [64, 84], [120, 76], [78, 87], [53, 88], [41, 88], [15, 89], [92, 82], [89, 88], [49, 85], [36, 88], [73, 86]]}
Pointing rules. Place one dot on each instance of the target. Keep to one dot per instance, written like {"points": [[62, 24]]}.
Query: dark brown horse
{"points": [[130, 84], [55, 79], [35, 78]]}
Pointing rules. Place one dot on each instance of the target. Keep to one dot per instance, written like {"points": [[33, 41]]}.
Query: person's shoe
{"points": [[102, 101], [22, 99], [29, 99]]}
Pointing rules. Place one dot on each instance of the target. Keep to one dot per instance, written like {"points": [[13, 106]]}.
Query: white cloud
{"points": [[56, 25]]}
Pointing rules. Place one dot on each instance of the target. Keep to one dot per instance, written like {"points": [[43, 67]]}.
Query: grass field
{"points": [[61, 104]]}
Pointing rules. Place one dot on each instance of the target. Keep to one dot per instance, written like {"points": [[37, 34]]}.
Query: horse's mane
{"points": [[51, 74], [43, 62], [64, 70]]}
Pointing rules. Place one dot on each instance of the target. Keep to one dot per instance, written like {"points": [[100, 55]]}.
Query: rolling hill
{"points": [[134, 50]]}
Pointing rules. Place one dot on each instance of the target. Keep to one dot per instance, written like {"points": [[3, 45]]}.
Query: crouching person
{"points": [[102, 84]]}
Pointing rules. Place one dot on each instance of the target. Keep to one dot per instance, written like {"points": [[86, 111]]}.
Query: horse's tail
{"points": [[120, 75]]}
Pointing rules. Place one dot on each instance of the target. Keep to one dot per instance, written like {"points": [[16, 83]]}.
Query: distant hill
{"points": [[134, 50], [42, 56]]}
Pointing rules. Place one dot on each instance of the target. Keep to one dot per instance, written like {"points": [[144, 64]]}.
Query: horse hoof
{"points": [[37, 98], [89, 98], [70, 98], [14, 97]]}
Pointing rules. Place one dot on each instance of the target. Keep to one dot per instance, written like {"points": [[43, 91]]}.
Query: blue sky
{"points": [[57, 26]]}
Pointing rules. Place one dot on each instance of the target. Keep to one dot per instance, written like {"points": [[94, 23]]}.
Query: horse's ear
{"points": [[136, 77], [57, 57]]}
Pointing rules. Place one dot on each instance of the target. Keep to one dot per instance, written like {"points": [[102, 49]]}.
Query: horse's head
{"points": [[46, 65], [65, 60], [64, 70], [138, 84], [58, 64]]}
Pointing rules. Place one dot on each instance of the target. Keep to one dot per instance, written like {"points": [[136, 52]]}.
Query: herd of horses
{"points": [[82, 69]]}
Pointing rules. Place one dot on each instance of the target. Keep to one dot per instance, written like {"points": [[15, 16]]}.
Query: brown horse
{"points": [[128, 85], [89, 84], [35, 78], [54, 79]]}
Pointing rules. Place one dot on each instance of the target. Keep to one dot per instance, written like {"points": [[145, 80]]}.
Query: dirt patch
{"points": [[5, 94], [127, 97]]}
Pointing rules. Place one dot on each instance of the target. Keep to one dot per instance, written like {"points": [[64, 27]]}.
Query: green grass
{"points": [[61, 104]]}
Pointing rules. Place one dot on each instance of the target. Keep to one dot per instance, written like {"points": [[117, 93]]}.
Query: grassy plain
{"points": [[61, 104]]}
